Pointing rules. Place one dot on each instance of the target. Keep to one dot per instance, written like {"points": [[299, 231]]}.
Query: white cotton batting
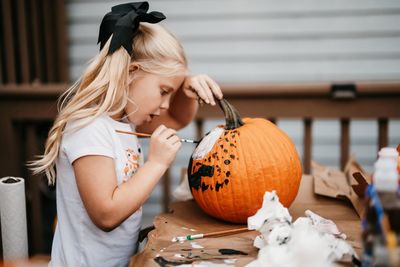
{"points": [[323, 225], [271, 210], [283, 244]]}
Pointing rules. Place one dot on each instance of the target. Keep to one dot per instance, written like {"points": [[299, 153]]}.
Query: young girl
{"points": [[138, 82]]}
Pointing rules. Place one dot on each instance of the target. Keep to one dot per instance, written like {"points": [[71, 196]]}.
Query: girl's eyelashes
{"points": [[164, 92]]}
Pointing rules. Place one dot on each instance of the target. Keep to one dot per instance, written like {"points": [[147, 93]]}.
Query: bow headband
{"points": [[123, 22]]}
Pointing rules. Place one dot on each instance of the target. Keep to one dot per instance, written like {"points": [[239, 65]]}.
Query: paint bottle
{"points": [[385, 182], [392, 154], [381, 224], [385, 177]]}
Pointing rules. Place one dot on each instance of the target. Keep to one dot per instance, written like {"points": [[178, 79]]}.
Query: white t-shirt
{"points": [[77, 240]]}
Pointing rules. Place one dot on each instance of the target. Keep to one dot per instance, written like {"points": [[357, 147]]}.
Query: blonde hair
{"points": [[104, 86]]}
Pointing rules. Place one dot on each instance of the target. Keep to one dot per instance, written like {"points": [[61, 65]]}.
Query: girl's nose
{"points": [[165, 103]]}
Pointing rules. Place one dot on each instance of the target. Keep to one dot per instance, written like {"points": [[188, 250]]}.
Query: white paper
{"points": [[13, 219]]}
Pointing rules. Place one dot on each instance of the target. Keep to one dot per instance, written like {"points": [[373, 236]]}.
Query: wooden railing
{"points": [[33, 42], [363, 100], [33, 69], [27, 112]]}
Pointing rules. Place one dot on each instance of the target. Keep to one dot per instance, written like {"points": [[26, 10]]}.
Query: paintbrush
{"points": [[149, 135], [219, 233]]}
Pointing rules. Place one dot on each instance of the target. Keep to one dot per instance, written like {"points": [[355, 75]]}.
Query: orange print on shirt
{"points": [[131, 165]]}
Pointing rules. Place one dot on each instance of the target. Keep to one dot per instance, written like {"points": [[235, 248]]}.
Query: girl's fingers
{"points": [[174, 139], [208, 91], [177, 144], [159, 130], [214, 87], [168, 133], [206, 88], [200, 91]]}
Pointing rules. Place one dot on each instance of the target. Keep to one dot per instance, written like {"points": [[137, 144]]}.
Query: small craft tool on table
{"points": [[219, 233], [149, 135]]}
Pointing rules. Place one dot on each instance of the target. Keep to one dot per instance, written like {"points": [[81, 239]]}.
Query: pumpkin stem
{"points": [[232, 117]]}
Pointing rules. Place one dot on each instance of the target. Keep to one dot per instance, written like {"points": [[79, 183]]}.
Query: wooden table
{"points": [[187, 215]]}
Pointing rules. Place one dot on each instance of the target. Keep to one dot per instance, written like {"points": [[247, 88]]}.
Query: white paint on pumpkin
{"points": [[207, 143]]}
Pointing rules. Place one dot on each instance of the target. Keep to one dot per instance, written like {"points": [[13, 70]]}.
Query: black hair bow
{"points": [[123, 22]]}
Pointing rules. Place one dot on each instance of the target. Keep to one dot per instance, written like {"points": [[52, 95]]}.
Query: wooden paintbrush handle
{"points": [[228, 232], [134, 133], [149, 135]]}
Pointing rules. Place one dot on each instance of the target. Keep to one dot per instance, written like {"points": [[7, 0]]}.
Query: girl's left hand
{"points": [[203, 87]]}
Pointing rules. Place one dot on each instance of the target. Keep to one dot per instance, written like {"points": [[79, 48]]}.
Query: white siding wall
{"points": [[265, 41]]}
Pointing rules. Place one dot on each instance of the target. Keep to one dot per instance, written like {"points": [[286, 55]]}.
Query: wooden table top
{"points": [[160, 251]]}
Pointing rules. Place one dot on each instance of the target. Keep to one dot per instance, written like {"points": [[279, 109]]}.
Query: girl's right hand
{"points": [[164, 144], [203, 87]]}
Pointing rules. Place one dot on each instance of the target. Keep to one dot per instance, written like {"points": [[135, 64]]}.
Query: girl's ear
{"points": [[133, 67]]}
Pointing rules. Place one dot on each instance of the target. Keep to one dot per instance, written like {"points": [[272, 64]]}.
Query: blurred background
{"points": [[326, 72]]}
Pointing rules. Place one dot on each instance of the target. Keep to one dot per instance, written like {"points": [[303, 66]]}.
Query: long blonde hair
{"points": [[104, 86]]}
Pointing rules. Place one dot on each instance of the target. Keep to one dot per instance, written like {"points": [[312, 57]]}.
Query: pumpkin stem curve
{"points": [[232, 117]]}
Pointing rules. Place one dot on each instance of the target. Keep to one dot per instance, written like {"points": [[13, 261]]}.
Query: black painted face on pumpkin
{"points": [[215, 164]]}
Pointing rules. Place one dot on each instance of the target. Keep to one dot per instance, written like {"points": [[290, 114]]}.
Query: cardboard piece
{"points": [[350, 184], [359, 179]]}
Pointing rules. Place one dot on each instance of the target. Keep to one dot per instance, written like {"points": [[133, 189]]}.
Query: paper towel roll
{"points": [[13, 218]]}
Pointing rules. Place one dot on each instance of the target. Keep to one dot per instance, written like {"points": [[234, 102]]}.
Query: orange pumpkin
{"points": [[232, 167]]}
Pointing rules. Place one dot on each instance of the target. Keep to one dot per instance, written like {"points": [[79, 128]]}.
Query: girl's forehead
{"points": [[173, 82]]}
